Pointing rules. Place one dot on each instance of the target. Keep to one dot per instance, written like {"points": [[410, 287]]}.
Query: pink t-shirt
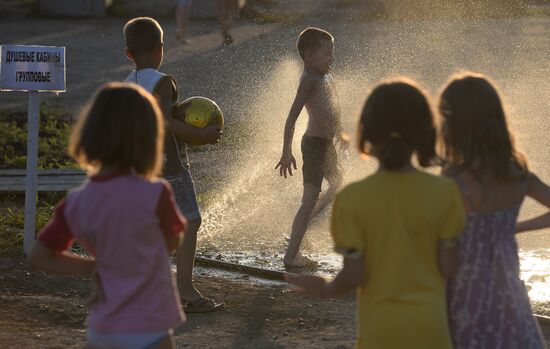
{"points": [[121, 219]]}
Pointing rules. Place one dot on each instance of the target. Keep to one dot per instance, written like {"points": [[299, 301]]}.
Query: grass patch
{"points": [[11, 235], [12, 219], [54, 133]]}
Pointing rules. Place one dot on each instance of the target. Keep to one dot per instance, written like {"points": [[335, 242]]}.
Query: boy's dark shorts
{"points": [[320, 160], [184, 191]]}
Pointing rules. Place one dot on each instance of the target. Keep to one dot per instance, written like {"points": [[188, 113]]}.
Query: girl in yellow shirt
{"points": [[396, 228]]}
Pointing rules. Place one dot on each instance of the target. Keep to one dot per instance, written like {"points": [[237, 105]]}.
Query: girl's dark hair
{"points": [[397, 122], [122, 127], [475, 131]]}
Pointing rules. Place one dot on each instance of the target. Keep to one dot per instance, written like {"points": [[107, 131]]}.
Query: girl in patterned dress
{"points": [[488, 302], [396, 228]]}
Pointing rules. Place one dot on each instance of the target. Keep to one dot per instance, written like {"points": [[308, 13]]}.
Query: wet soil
{"points": [[37, 311]]}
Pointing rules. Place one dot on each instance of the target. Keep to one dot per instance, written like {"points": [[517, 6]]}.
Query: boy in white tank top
{"points": [[144, 46]]}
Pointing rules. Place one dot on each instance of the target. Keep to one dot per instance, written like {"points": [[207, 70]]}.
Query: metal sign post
{"points": [[32, 170], [34, 69]]}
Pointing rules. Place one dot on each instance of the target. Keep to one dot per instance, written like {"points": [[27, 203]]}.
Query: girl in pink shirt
{"points": [[125, 217]]}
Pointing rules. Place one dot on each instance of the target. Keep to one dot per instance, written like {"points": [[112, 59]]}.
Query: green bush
{"points": [[12, 219], [54, 133]]}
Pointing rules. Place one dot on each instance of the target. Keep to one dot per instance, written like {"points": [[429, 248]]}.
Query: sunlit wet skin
{"points": [[299, 226]]}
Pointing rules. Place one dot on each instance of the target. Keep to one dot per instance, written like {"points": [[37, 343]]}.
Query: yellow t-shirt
{"points": [[395, 221]]}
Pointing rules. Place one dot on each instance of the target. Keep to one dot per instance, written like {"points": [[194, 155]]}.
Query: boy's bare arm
{"points": [[287, 159], [304, 90], [165, 95]]}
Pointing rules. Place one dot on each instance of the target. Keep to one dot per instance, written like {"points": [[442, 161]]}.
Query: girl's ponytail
{"points": [[396, 122]]}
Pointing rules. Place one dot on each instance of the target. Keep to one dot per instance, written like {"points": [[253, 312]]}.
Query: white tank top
{"points": [[147, 78], [174, 157]]}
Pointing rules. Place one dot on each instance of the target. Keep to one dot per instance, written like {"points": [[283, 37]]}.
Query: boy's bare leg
{"points": [[226, 11], [300, 224], [182, 22], [324, 200], [328, 196], [185, 261]]}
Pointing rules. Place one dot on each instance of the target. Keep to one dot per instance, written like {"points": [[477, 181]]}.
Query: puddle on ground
{"points": [[534, 270]]}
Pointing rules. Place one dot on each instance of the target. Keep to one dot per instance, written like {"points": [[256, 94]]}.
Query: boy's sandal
{"points": [[201, 305]]}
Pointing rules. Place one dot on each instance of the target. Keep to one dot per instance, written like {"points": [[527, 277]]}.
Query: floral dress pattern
{"points": [[488, 304]]}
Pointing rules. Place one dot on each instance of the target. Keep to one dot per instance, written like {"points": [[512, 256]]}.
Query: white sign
{"points": [[32, 68]]}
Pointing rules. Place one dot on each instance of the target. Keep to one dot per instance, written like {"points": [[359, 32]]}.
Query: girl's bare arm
{"points": [[447, 260], [539, 191], [63, 263], [349, 278]]}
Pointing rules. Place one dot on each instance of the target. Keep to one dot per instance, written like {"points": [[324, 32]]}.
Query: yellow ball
{"points": [[199, 112]]}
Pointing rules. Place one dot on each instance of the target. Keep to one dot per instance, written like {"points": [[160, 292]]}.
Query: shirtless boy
{"points": [[317, 92]]}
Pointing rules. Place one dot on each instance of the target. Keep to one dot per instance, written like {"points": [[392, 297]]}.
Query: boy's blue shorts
{"points": [[184, 3], [184, 191]]}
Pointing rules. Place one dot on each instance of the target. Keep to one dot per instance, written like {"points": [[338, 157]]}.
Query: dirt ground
{"points": [[37, 311]]}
